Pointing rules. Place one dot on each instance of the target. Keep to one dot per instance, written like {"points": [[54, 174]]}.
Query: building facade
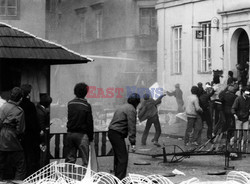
{"points": [[27, 15], [120, 35], [205, 35]]}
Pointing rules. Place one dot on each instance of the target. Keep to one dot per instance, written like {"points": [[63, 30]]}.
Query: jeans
{"points": [[117, 141], [154, 120], [206, 116], [193, 125], [77, 142]]}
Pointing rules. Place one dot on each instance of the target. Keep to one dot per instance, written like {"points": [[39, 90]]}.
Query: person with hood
{"points": [[12, 127], [177, 93], [122, 125], [148, 111]]}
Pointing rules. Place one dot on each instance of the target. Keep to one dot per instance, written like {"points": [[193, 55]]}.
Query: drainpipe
{"points": [[223, 45], [192, 46], [164, 47]]}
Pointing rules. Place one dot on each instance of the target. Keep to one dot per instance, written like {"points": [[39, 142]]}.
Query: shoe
{"points": [[153, 140], [211, 149], [195, 144], [157, 144]]}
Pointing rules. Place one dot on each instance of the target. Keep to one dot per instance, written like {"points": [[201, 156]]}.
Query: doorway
{"points": [[243, 57]]}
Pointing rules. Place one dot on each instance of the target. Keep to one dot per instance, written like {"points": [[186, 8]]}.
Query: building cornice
{"points": [[164, 4], [236, 11]]}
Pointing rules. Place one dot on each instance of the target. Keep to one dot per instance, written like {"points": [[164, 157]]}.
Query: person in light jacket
{"points": [[12, 127], [194, 124]]}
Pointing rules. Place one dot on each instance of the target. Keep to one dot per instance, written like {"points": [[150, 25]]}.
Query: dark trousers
{"points": [[215, 108], [32, 156], [154, 120], [206, 116], [193, 125], [117, 141], [17, 162], [229, 123], [74, 142], [44, 155]]}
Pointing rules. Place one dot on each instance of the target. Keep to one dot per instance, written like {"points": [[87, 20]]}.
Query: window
{"points": [[9, 9], [98, 7], [177, 35], [206, 48], [82, 28], [98, 24], [80, 12], [148, 21]]}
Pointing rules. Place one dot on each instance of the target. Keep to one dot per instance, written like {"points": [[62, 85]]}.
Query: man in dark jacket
{"points": [[240, 110], [204, 100], [227, 98], [122, 125], [80, 127], [148, 111], [31, 139], [44, 123], [12, 126]]}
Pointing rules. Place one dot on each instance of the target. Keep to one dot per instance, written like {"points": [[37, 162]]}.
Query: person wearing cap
{"points": [[177, 93], [12, 127], [31, 139], [122, 125], [44, 123], [240, 110]]}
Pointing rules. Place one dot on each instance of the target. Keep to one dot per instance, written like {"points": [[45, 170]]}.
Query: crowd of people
{"points": [[24, 132], [222, 106], [24, 126]]}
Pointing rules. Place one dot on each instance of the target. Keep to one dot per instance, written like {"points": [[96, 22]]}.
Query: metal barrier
{"points": [[237, 143], [58, 142]]}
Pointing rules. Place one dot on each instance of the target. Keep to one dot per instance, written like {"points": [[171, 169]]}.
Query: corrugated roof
{"points": [[19, 45]]}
